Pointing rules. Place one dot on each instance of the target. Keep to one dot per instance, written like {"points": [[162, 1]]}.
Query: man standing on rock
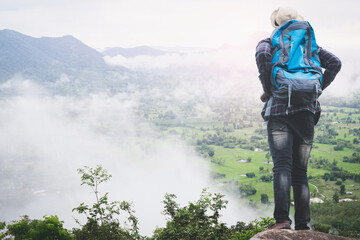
{"points": [[290, 65]]}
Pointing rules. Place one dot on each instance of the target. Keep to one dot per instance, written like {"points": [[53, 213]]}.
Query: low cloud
{"points": [[229, 71], [45, 138]]}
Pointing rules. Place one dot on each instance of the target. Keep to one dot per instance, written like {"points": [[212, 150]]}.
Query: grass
{"points": [[228, 158]]}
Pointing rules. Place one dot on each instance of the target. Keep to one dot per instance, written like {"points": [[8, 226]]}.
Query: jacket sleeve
{"points": [[331, 64], [263, 62]]}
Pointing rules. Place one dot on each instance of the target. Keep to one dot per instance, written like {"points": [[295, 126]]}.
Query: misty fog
{"points": [[46, 138], [230, 70]]}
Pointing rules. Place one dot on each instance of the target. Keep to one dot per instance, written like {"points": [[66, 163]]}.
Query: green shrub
{"points": [[47, 229], [101, 217], [200, 220], [325, 228]]}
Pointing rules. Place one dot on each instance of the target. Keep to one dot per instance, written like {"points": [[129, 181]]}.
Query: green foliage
{"points": [[264, 198], [2, 230], [336, 197], [342, 189], [342, 217], [200, 220], [211, 153], [268, 155], [266, 178], [205, 149], [247, 189], [338, 148], [218, 161], [342, 174], [241, 231], [323, 163], [325, 228], [193, 221], [101, 217], [47, 229], [92, 230], [216, 175], [355, 158], [250, 175]]}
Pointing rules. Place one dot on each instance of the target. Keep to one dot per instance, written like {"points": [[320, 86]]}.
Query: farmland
{"points": [[234, 141]]}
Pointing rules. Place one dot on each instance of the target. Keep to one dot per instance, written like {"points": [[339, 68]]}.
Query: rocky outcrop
{"points": [[283, 234]]}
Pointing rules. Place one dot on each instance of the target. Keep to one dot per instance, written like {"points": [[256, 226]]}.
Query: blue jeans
{"points": [[290, 141]]}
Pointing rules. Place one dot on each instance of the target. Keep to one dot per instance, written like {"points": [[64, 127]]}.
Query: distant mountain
{"points": [[47, 58], [133, 52]]}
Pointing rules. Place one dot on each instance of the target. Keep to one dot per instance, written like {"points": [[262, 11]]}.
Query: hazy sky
{"points": [[199, 23]]}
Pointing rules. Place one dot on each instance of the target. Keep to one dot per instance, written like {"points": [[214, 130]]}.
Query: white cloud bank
{"points": [[46, 138]]}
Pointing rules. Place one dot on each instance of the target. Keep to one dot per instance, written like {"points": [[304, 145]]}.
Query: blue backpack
{"points": [[296, 70]]}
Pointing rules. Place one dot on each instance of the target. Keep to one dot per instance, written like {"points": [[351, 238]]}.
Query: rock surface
{"points": [[284, 234]]}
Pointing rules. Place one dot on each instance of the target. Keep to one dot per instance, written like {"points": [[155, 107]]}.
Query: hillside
{"points": [[233, 139], [46, 59]]}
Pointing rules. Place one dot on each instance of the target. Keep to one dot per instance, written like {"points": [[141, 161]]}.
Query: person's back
{"points": [[296, 73], [290, 126]]}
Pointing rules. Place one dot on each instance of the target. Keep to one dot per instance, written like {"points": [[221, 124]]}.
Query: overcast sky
{"points": [[198, 23]]}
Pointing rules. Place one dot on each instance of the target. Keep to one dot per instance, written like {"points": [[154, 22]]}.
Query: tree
{"points": [[266, 178], [338, 182], [200, 220], [48, 228], [101, 217], [338, 148], [343, 218], [268, 155], [342, 189], [336, 197], [264, 198], [247, 189], [194, 221], [211, 153], [250, 175]]}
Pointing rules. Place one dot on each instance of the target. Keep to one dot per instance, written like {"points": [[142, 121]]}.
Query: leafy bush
{"points": [[247, 189], [325, 228], [266, 178], [241, 231], [264, 198], [46, 229], [343, 217], [216, 175], [200, 220], [250, 175], [355, 158], [338, 148], [193, 221], [101, 221]]}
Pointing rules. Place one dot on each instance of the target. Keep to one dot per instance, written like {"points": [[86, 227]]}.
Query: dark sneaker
{"points": [[284, 225], [302, 227]]}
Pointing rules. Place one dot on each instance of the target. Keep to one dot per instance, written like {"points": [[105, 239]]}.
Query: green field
{"points": [[234, 141]]}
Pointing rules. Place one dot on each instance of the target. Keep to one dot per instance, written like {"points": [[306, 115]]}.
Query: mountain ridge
{"points": [[46, 58]]}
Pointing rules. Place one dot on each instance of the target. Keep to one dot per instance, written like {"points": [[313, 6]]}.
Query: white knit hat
{"points": [[284, 14]]}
